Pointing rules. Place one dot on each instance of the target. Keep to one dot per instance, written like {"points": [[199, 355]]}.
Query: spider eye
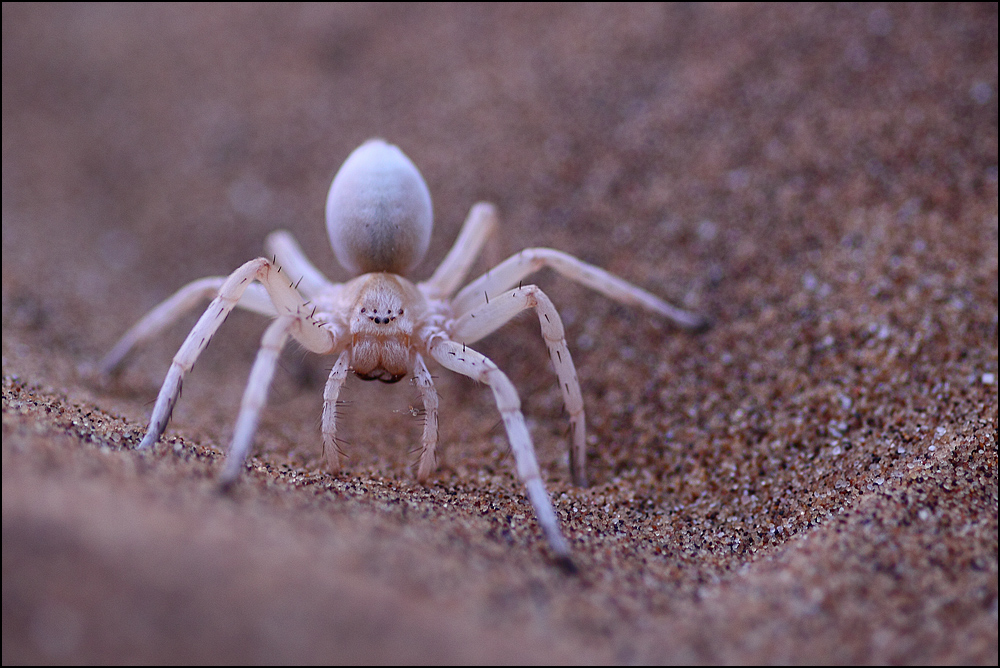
{"points": [[364, 310], [400, 312]]}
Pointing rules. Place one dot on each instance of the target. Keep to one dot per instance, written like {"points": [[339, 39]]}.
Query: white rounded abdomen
{"points": [[378, 212]]}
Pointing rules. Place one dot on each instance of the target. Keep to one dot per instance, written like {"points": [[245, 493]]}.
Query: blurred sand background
{"points": [[814, 479]]}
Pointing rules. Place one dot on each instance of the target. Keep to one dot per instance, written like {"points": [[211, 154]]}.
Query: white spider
{"points": [[380, 325]]}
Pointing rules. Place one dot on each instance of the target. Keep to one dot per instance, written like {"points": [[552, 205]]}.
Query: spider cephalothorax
{"points": [[380, 325]]}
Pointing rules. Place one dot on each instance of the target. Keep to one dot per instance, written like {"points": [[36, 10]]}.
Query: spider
{"points": [[381, 325]]}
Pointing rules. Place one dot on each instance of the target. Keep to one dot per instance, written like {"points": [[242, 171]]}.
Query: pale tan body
{"points": [[382, 326]]}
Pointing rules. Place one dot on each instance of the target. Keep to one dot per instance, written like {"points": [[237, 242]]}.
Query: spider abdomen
{"points": [[378, 211]]}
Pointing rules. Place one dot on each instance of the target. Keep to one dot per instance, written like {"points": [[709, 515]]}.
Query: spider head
{"points": [[381, 308]]}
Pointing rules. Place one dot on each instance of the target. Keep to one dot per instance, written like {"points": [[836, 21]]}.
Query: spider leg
{"points": [[172, 309], [512, 270], [338, 374], [476, 229], [289, 256], [464, 360], [255, 396], [286, 301], [428, 459], [489, 317]]}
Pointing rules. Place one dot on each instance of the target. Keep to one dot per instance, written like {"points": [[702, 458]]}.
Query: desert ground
{"points": [[812, 479]]}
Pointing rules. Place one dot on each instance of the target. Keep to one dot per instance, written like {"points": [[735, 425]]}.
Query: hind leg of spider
{"points": [[478, 226]]}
